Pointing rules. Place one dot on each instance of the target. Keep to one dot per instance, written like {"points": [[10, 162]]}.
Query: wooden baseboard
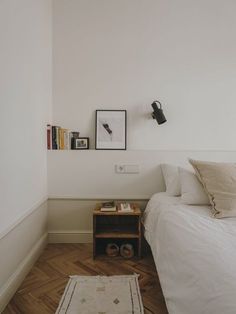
{"points": [[10, 287], [74, 236]]}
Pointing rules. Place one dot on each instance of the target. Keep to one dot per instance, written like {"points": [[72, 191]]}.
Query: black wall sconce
{"points": [[158, 112]]}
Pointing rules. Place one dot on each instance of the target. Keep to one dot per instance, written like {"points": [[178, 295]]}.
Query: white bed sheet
{"points": [[195, 256]]}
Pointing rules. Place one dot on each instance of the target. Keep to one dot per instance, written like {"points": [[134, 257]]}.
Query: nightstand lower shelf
{"points": [[100, 245]]}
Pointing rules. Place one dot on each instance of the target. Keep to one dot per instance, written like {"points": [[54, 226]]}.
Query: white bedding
{"points": [[195, 256]]}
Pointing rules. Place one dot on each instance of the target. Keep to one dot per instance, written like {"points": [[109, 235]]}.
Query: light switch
{"points": [[126, 169]]}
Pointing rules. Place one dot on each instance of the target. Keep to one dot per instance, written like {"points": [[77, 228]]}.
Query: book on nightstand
{"points": [[108, 207]]}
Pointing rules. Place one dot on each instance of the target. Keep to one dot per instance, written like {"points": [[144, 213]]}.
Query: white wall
{"points": [[124, 54], [25, 106], [110, 54], [91, 174], [25, 109]]}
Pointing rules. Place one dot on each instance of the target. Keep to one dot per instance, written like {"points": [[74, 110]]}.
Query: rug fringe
{"points": [[86, 276]]}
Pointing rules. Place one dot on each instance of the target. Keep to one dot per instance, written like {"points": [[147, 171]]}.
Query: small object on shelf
{"points": [[126, 208], [108, 207], [74, 136], [81, 143], [127, 250], [112, 249]]}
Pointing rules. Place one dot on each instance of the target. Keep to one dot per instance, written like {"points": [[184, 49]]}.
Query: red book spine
{"points": [[49, 136]]}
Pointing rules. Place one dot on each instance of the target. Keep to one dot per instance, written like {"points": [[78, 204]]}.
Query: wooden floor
{"points": [[42, 288]]}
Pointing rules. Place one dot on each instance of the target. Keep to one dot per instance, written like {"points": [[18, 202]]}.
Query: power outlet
{"points": [[127, 169], [120, 168]]}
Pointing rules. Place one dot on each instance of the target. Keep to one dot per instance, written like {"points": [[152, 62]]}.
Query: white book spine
{"points": [[66, 140]]}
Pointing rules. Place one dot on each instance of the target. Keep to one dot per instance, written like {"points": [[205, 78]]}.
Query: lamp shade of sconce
{"points": [[158, 112]]}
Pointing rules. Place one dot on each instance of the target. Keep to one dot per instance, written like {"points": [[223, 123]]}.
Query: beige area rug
{"points": [[101, 295]]}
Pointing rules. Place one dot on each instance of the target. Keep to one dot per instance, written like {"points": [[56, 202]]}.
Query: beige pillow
{"points": [[219, 181]]}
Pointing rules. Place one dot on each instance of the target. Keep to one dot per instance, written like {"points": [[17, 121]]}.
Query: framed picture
{"points": [[81, 143], [110, 129]]}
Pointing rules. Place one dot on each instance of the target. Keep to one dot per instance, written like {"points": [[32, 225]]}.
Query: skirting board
{"points": [[74, 236], [10, 287]]}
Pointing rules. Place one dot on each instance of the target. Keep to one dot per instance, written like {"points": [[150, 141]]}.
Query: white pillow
{"points": [[192, 191], [171, 178]]}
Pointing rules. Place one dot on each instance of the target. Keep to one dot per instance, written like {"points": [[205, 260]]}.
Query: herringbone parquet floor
{"points": [[42, 288]]}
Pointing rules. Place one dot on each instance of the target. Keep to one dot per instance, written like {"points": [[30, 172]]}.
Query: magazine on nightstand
{"points": [[108, 207]]}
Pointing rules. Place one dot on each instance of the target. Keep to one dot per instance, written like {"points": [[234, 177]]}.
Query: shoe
{"points": [[112, 249], [127, 250]]}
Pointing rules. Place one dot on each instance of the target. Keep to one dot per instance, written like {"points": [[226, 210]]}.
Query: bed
{"points": [[195, 256]]}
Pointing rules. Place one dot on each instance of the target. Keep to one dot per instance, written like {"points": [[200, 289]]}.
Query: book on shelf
{"points": [[60, 138], [49, 136], [54, 137], [108, 207], [63, 139], [66, 139]]}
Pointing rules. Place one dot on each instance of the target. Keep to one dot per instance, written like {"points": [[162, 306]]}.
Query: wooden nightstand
{"points": [[117, 227]]}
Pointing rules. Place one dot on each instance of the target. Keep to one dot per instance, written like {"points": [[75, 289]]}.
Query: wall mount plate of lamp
{"points": [[158, 112]]}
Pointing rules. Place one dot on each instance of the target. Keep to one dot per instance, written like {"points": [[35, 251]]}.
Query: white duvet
{"points": [[195, 256]]}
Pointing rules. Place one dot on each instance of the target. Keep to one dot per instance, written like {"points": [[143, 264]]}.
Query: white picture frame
{"points": [[110, 129]]}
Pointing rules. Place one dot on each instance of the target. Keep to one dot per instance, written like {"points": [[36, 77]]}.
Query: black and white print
{"points": [[111, 129]]}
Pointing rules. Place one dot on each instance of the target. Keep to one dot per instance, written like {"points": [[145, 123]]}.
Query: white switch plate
{"points": [[126, 169]]}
